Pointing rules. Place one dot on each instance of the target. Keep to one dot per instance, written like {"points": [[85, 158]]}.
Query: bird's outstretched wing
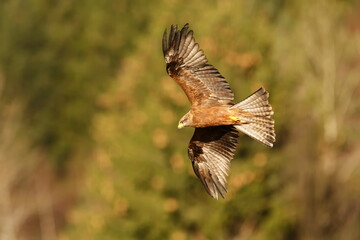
{"points": [[187, 64], [210, 151]]}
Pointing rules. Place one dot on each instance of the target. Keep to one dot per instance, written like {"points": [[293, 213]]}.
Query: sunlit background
{"points": [[89, 146]]}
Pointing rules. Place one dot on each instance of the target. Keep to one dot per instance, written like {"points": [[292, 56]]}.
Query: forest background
{"points": [[88, 142]]}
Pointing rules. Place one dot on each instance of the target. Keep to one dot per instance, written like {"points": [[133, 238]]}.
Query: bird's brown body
{"points": [[215, 116], [216, 119]]}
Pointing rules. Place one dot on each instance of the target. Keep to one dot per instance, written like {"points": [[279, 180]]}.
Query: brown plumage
{"points": [[216, 119]]}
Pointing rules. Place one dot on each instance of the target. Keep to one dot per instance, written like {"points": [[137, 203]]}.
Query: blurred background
{"points": [[89, 146]]}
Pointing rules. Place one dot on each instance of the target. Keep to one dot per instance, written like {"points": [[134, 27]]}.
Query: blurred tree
{"points": [[58, 56]]}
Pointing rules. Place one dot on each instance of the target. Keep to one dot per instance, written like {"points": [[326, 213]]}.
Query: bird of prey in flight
{"points": [[216, 119]]}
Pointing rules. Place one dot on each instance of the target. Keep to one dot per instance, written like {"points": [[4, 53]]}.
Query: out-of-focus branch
{"points": [[17, 166]]}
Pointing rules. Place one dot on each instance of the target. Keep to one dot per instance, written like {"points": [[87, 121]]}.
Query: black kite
{"points": [[216, 119]]}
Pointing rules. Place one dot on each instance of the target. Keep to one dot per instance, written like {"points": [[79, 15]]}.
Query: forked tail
{"points": [[257, 120]]}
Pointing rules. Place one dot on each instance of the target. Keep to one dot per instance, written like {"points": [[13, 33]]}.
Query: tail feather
{"points": [[258, 123]]}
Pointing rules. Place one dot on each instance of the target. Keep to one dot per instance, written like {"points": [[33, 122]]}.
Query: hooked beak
{"points": [[180, 126]]}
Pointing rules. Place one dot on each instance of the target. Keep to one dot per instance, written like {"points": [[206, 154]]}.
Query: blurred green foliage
{"points": [[59, 57], [92, 80]]}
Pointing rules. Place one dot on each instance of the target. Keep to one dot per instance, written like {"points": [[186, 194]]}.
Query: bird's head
{"points": [[185, 121]]}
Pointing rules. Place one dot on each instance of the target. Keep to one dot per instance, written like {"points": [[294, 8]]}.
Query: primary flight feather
{"points": [[216, 119]]}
